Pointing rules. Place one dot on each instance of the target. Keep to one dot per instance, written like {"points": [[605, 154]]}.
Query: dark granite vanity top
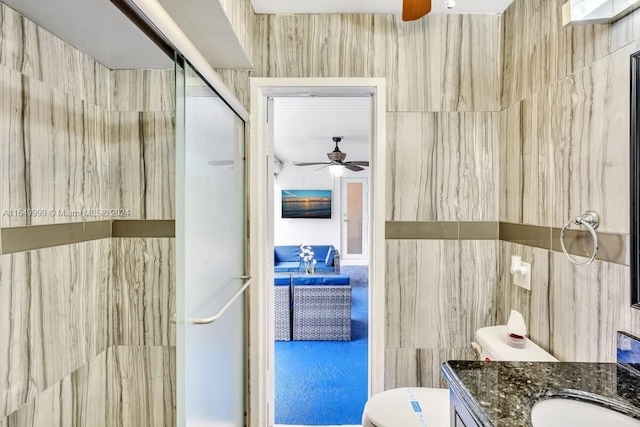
{"points": [[501, 394]]}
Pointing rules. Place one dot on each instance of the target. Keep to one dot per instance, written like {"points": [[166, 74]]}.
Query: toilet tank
{"points": [[493, 346]]}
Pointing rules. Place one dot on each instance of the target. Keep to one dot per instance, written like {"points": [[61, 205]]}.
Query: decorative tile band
{"points": [[20, 239], [148, 228], [441, 230], [613, 247]]}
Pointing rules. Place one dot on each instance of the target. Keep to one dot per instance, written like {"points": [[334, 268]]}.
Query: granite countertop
{"points": [[501, 394]]}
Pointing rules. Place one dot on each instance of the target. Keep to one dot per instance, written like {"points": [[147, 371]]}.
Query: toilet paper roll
{"points": [[516, 324]]}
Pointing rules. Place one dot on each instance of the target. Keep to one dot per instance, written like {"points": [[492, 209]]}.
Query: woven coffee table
{"points": [[321, 307]]}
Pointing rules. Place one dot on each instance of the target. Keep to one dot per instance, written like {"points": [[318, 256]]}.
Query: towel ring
{"points": [[589, 219]]}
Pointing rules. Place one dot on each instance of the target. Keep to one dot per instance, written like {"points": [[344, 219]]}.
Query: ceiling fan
{"points": [[336, 158], [415, 9]]}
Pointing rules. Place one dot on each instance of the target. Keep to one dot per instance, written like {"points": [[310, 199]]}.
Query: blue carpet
{"points": [[325, 382]]}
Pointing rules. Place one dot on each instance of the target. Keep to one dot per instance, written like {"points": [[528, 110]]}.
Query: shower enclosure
{"points": [[210, 255]]}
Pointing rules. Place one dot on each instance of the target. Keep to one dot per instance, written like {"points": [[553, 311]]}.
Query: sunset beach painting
{"points": [[306, 204]]}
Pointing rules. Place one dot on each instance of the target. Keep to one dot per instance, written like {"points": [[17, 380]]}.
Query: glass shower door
{"points": [[210, 256]]}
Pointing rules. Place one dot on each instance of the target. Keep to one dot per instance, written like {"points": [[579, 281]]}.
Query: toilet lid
{"points": [[409, 407]]}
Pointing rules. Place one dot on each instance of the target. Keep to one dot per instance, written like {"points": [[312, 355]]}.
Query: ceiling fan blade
{"points": [[359, 163], [322, 167], [354, 168], [415, 9], [312, 164]]}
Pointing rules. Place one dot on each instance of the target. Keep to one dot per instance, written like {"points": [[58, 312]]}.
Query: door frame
{"points": [[344, 255], [260, 166]]}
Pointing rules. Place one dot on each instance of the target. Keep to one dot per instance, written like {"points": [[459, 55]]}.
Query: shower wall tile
{"points": [[408, 367], [13, 194], [123, 386], [238, 82], [55, 153], [142, 293], [79, 399], [142, 90], [36, 53], [440, 63], [241, 16], [439, 292], [442, 166], [141, 386], [53, 303], [142, 161]]}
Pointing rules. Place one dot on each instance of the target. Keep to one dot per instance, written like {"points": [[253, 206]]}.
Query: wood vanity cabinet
{"points": [[460, 415]]}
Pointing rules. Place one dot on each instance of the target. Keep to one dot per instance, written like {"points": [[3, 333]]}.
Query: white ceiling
{"points": [[97, 28], [206, 24], [304, 127], [373, 6]]}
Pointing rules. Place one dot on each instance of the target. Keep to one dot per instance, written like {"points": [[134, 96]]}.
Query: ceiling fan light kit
{"points": [[336, 160]]}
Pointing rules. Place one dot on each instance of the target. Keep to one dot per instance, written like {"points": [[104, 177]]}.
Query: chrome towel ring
{"points": [[591, 220]]}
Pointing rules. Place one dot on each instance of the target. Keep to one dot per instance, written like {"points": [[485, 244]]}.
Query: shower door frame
{"points": [[260, 167]]}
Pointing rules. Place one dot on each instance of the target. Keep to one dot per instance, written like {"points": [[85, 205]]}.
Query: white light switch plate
{"points": [[523, 280]]}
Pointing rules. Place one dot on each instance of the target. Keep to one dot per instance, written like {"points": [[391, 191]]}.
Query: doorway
{"points": [[355, 218], [261, 162]]}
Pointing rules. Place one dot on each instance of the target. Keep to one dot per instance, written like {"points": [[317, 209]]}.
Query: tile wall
{"points": [[86, 337], [564, 132], [443, 79]]}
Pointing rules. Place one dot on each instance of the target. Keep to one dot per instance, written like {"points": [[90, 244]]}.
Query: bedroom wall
{"points": [[296, 231]]}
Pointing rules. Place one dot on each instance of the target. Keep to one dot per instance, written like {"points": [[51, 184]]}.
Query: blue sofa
{"points": [[286, 259]]}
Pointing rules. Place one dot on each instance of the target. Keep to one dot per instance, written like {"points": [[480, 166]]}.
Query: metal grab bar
{"points": [[209, 320]]}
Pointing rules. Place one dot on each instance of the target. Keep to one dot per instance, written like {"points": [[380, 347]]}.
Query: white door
{"points": [[210, 257], [354, 203]]}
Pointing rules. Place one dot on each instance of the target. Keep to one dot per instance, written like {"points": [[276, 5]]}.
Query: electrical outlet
{"points": [[523, 279]]}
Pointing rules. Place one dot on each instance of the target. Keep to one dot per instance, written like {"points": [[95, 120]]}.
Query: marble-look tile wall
{"points": [[440, 63], [34, 52], [441, 166], [141, 386], [142, 144], [571, 311], [240, 14], [443, 80], [76, 135], [438, 294], [53, 126], [128, 386], [564, 149], [142, 292], [53, 308]]}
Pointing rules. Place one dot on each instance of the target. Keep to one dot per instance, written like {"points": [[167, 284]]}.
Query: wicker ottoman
{"points": [[282, 304], [321, 308]]}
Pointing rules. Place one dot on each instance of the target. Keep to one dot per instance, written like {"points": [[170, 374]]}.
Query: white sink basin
{"points": [[558, 412]]}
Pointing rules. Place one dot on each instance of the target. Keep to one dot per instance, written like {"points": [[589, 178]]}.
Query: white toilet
{"points": [[420, 407]]}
